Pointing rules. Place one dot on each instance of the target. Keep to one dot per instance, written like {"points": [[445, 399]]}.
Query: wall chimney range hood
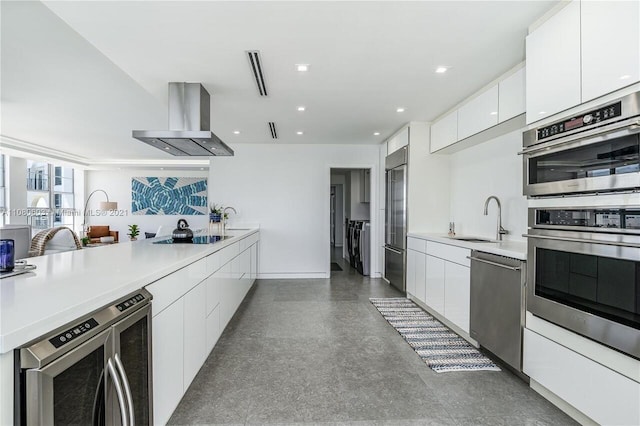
{"points": [[189, 131]]}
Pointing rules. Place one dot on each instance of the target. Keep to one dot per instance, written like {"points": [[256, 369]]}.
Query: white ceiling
{"points": [[81, 79]]}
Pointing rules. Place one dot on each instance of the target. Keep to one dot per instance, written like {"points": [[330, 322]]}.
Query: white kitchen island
{"points": [[214, 278]]}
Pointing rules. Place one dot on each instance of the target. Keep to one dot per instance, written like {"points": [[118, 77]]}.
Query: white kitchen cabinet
{"points": [[411, 272], [610, 32], [444, 132], [168, 361], [213, 328], [365, 186], [511, 96], [421, 276], [434, 285], [478, 114], [398, 141], [254, 262], [553, 64], [195, 332], [606, 396], [457, 294]]}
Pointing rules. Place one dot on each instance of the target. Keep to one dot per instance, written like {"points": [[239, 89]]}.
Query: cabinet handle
{"points": [[127, 389], [393, 250], [511, 268], [111, 370]]}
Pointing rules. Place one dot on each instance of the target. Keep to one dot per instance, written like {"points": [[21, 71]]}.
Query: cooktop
{"points": [[198, 239]]}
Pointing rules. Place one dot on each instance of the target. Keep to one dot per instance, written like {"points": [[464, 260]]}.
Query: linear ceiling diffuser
{"points": [[189, 131], [256, 69], [272, 129]]}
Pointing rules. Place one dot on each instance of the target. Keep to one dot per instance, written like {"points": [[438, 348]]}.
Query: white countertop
{"points": [[68, 285], [515, 249]]}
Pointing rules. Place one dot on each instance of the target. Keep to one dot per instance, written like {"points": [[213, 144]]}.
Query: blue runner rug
{"points": [[440, 348]]}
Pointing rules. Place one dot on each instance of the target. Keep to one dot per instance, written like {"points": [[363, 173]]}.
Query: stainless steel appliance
{"points": [[94, 371], [182, 233], [361, 246], [189, 125], [584, 272], [395, 256], [497, 305], [591, 152]]}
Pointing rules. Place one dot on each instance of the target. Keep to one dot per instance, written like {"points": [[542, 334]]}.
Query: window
{"points": [[3, 192], [50, 202]]}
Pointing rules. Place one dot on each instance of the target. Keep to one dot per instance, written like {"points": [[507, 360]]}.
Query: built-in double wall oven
{"points": [[583, 262], [595, 151], [93, 371]]}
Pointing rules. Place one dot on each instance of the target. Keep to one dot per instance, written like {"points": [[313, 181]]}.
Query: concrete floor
{"points": [[317, 351]]}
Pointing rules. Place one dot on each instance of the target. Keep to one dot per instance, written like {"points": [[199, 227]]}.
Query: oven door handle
{"points": [[111, 371], [583, 240], [127, 388], [631, 125]]}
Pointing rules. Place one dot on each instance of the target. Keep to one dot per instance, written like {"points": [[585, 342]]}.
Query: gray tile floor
{"points": [[318, 352]]}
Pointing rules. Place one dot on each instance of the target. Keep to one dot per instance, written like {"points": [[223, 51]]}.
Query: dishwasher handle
{"points": [[511, 268]]}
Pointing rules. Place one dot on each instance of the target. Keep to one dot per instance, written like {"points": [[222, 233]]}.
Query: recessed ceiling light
{"points": [[236, 132], [441, 69], [400, 109], [624, 77], [299, 133], [376, 133], [301, 108], [542, 112], [201, 168], [302, 67], [493, 113], [167, 148]]}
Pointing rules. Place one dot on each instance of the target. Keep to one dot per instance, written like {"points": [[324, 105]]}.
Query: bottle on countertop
{"points": [[452, 229]]}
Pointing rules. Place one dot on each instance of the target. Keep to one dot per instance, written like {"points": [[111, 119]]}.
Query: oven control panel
{"points": [[600, 218], [583, 120]]}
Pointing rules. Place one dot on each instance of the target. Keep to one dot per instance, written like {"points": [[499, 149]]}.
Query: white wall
{"points": [[428, 191], [117, 183], [286, 188], [491, 168]]}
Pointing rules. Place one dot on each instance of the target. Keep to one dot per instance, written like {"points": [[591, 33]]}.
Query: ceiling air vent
{"points": [[256, 68], [272, 129]]}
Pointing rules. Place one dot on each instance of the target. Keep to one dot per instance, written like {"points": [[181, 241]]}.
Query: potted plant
{"points": [[215, 213], [85, 240], [134, 231]]}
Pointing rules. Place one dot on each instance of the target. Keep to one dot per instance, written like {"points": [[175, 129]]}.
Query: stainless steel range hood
{"points": [[189, 131]]}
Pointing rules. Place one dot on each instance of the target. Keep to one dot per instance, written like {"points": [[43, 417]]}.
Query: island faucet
{"points": [[500, 231], [224, 215]]}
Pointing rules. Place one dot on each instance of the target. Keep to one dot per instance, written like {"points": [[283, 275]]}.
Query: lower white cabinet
{"points": [[605, 396], [435, 284], [191, 321], [168, 363], [195, 345], [439, 276], [457, 294]]}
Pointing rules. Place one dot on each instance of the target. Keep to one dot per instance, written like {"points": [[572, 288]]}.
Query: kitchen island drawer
{"points": [[417, 244], [170, 288]]}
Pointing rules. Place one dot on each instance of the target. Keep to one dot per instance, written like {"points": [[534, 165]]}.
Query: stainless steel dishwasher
{"points": [[497, 305]]}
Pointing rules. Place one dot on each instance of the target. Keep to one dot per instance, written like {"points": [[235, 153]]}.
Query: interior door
{"points": [[132, 355]]}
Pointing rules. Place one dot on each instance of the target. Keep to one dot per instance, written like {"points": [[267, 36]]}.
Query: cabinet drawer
{"points": [[245, 243], [417, 244], [212, 263], [170, 288], [228, 253], [447, 252]]}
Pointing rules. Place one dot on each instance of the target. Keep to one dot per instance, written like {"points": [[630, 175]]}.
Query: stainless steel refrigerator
{"points": [[395, 246]]}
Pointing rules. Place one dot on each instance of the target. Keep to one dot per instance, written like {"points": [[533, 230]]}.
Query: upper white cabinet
{"points": [[511, 98], [610, 46], [478, 114], [553, 64], [485, 116], [398, 141], [586, 50], [444, 132]]}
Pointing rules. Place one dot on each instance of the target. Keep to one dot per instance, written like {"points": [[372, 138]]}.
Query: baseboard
{"points": [[292, 276], [567, 408]]}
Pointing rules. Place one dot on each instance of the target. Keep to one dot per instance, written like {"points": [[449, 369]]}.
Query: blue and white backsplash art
{"points": [[169, 196]]}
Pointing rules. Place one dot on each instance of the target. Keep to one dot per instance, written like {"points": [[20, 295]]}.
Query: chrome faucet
{"points": [[224, 215], [500, 231]]}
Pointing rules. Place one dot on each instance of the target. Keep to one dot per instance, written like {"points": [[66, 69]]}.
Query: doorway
{"points": [[350, 221]]}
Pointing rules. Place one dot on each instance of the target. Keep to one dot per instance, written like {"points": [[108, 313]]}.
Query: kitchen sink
{"points": [[472, 240]]}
